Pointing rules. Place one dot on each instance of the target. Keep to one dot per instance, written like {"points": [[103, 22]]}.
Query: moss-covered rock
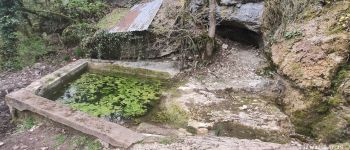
{"points": [[332, 128], [310, 56]]}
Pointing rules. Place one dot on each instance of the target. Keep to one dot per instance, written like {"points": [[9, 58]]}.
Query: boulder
{"points": [[237, 13], [309, 54]]}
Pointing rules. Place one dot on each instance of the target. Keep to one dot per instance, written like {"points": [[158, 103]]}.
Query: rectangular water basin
{"points": [[38, 97]]}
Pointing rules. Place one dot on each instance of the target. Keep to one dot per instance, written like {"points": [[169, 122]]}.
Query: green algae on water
{"points": [[112, 95]]}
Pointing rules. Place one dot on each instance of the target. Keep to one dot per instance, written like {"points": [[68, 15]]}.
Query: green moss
{"points": [[167, 140], [114, 46], [330, 129], [340, 76], [292, 34], [303, 120], [112, 19], [296, 67], [172, 115], [233, 129], [335, 101]]}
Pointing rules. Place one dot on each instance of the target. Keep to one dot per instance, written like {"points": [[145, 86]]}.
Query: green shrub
{"points": [[30, 49], [106, 45], [86, 10], [73, 34], [78, 52]]}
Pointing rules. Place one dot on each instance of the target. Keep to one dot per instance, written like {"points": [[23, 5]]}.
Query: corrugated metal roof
{"points": [[139, 17]]}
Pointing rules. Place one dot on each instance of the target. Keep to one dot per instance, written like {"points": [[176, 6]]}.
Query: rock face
{"points": [[314, 57], [212, 143], [309, 55], [237, 13], [231, 99]]}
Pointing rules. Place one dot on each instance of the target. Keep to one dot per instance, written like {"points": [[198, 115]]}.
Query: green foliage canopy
{"points": [[8, 24]]}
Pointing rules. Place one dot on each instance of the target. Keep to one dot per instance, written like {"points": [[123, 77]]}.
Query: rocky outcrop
{"points": [[308, 54], [212, 143], [232, 99], [237, 13]]}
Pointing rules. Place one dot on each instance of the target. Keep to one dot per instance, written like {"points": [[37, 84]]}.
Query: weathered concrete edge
{"points": [[57, 78], [169, 67], [167, 70], [111, 133]]}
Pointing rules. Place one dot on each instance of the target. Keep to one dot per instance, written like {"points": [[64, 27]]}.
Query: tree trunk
{"points": [[212, 27]]}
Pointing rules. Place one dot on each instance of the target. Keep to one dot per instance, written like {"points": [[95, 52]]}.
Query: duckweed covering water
{"points": [[110, 96]]}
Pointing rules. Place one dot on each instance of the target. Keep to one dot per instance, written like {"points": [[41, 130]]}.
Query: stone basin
{"points": [[33, 98]]}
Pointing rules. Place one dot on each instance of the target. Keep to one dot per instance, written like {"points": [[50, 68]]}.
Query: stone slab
{"points": [[167, 69], [57, 78], [111, 133]]}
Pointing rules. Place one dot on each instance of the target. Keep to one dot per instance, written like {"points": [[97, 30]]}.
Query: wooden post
{"points": [[212, 27]]}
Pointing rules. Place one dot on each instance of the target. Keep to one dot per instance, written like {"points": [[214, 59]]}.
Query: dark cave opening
{"points": [[240, 34]]}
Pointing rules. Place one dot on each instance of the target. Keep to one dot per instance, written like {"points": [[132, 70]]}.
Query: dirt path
{"points": [[12, 81]]}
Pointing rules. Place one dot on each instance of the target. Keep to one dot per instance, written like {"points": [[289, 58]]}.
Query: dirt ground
{"points": [[12, 81]]}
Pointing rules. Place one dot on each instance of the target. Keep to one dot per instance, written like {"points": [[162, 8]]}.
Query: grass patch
{"points": [[83, 142], [59, 140], [112, 19], [27, 124]]}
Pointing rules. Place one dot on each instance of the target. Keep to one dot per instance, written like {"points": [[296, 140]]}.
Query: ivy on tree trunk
{"points": [[8, 26]]}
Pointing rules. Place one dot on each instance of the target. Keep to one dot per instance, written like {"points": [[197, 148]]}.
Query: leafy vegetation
{"points": [[103, 96], [28, 123], [86, 10], [28, 21], [110, 46], [292, 34], [59, 140], [8, 24], [73, 34], [30, 49]]}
